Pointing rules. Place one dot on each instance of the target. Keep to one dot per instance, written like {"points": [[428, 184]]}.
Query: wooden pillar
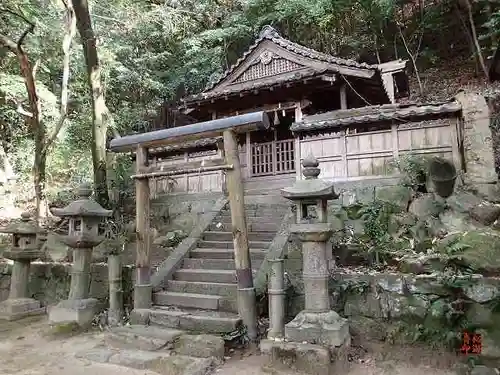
{"points": [[186, 176], [248, 154], [246, 290], [142, 289], [343, 97], [222, 155], [297, 156]]}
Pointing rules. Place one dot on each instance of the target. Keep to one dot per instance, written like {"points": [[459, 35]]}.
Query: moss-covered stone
{"points": [[476, 249], [398, 196], [426, 205]]}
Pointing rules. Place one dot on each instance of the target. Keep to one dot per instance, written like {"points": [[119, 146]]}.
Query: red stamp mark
{"points": [[471, 343]]}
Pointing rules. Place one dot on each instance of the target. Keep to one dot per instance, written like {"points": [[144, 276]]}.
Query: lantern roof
{"points": [[84, 206], [310, 187], [26, 226]]}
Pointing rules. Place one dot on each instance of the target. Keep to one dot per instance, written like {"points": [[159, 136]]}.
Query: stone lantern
{"points": [[317, 324], [24, 248], [84, 216]]}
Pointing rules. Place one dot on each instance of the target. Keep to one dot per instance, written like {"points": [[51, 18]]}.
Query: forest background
{"points": [[74, 74]]}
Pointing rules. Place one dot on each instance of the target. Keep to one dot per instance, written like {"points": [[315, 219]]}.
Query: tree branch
{"points": [[31, 26], [66, 46]]}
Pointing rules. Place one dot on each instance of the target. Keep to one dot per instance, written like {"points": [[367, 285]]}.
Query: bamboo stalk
{"points": [[115, 312]]}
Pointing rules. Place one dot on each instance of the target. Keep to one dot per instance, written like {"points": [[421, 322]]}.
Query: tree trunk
{"points": [[475, 38], [99, 110], [28, 72]]}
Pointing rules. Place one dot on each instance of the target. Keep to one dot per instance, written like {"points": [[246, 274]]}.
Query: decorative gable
{"points": [[266, 65]]}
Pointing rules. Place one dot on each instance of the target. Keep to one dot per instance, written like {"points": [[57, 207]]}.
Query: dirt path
{"points": [[25, 349]]}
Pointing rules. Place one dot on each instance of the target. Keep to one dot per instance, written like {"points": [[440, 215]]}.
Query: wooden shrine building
{"points": [[343, 112]]}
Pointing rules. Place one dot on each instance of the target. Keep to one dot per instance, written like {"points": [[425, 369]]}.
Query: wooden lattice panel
{"points": [[274, 67]]}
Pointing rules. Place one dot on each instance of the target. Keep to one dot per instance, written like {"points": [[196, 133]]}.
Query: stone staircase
{"points": [[202, 294]]}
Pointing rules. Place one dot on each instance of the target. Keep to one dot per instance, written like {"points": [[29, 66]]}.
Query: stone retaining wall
{"points": [[49, 282], [404, 308]]}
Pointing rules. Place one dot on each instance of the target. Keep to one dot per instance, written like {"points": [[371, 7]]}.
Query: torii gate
{"points": [[140, 143]]}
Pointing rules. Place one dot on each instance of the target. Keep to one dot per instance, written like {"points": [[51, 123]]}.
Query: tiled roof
{"points": [[271, 34], [268, 32], [361, 115], [261, 84]]}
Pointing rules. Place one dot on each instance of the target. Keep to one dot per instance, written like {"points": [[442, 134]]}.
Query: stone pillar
{"points": [[24, 249], [84, 216], [19, 279], [80, 274], [315, 271], [477, 138], [276, 299]]}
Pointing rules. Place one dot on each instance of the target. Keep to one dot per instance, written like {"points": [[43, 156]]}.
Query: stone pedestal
{"points": [[327, 328], [15, 309], [81, 311], [84, 217], [24, 249]]}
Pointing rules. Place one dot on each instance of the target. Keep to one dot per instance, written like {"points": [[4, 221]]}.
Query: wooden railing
{"points": [[273, 158]]}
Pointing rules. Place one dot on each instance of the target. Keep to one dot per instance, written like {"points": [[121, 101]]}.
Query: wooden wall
{"points": [[192, 183], [354, 155]]}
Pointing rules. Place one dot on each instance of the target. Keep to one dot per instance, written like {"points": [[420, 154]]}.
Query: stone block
{"points": [[137, 359], [307, 358], [142, 337], [182, 365], [140, 316], [204, 346], [15, 309], [484, 370], [325, 328], [99, 355], [80, 311]]}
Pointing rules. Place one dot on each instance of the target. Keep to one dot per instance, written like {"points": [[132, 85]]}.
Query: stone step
{"points": [[160, 362], [261, 207], [215, 322], [215, 264], [259, 213], [142, 337], [188, 300], [218, 226], [224, 253], [229, 244], [214, 289], [228, 236], [208, 276], [251, 220]]}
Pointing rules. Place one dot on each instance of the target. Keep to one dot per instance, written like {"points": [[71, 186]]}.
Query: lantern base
{"points": [[323, 328], [80, 311], [19, 308]]}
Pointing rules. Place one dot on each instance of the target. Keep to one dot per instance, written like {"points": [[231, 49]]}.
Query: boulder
{"points": [[453, 221], [477, 249], [399, 196], [485, 213], [463, 201], [425, 206], [490, 192]]}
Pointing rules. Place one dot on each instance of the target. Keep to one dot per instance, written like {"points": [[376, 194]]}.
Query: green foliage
{"points": [[156, 51], [376, 218], [414, 169]]}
